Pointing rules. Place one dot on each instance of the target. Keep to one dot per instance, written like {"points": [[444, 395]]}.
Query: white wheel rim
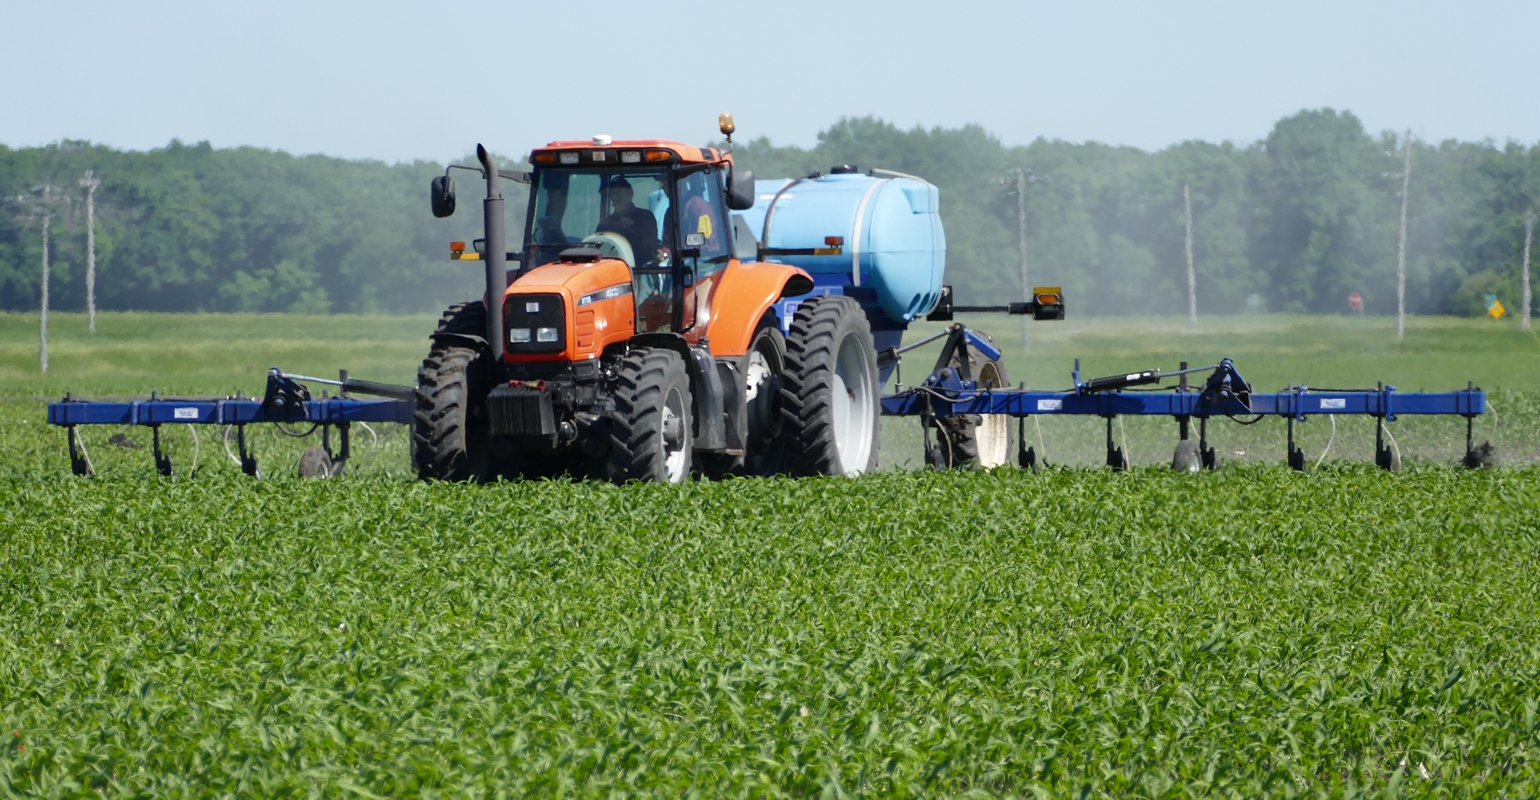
{"points": [[854, 405], [994, 437], [993, 432], [759, 397], [756, 375], [676, 454]]}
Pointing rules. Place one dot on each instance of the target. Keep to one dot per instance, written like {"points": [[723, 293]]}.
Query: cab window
{"points": [[700, 204], [573, 205]]}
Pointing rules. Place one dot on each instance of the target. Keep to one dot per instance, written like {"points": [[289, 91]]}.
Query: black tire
{"points": [[651, 427], [450, 439], [967, 440], [761, 375], [831, 346], [468, 318]]}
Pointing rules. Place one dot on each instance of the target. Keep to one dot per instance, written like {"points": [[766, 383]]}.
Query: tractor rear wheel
{"points": [[764, 452], [450, 437], [651, 427], [982, 440], [830, 399]]}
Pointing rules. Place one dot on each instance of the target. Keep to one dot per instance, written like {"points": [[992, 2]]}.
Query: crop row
{"points": [[1250, 631]]}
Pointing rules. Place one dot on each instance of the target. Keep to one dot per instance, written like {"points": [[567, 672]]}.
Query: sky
{"points": [[401, 81]]}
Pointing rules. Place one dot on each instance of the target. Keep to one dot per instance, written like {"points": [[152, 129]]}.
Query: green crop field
{"points": [[1072, 632]]}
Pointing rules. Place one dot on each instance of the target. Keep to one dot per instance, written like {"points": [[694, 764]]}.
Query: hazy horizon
{"points": [[395, 82]]}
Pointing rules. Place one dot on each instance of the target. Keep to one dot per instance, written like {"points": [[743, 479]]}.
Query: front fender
{"points": [[746, 292]]}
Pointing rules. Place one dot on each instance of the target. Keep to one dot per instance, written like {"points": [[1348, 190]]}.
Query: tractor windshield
{"points": [[619, 211]]}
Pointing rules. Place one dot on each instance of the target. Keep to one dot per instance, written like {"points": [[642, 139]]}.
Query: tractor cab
{"points": [[660, 207]]}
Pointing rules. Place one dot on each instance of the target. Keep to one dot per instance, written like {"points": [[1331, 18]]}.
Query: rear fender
{"points": [[747, 291]]}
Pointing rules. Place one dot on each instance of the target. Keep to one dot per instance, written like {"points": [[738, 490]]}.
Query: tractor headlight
{"points": [[536, 323]]}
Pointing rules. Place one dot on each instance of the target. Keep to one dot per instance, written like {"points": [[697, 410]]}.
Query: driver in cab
{"points": [[638, 225]]}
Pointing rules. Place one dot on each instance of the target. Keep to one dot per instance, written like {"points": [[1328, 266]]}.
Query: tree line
{"points": [[1299, 219]]}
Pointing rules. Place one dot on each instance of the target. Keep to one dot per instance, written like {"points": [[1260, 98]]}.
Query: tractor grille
{"points": [[521, 409], [526, 316]]}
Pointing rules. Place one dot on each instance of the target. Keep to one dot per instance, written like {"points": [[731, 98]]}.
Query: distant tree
{"points": [[1302, 218]]}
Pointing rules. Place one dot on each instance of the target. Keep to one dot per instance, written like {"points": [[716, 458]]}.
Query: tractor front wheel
{"points": [[830, 399], [450, 438], [650, 429]]}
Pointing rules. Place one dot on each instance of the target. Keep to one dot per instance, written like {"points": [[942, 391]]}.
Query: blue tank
{"points": [[894, 243]]}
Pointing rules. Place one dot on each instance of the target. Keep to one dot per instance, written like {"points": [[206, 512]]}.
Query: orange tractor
{"points": [[635, 337]]}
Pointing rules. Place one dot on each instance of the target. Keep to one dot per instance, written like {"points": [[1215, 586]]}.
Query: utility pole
{"points": [[90, 182], [1192, 276], [1406, 182], [1021, 243], [1529, 230], [43, 322]]}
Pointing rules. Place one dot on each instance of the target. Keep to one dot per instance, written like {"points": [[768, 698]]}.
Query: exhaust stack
{"points": [[495, 254]]}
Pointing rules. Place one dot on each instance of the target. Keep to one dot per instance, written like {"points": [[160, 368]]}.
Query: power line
{"points": [[1529, 230], [1023, 177], [90, 182], [1406, 182], [43, 322], [1192, 276]]}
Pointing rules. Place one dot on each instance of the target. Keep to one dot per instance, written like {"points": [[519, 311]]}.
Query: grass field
{"points": [[1343, 632]]}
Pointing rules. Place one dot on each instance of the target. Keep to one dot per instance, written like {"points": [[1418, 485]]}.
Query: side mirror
{"points": [[740, 190], [442, 195]]}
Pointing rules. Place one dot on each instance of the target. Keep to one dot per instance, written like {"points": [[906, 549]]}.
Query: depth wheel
{"points": [[982, 440], [829, 399], [651, 427], [450, 440], [315, 463]]}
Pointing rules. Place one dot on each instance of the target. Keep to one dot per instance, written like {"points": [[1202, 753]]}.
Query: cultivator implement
{"points": [[949, 391], [287, 401]]}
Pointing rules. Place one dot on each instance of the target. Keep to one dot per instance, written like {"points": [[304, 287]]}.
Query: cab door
{"points": [[657, 284], [704, 229]]}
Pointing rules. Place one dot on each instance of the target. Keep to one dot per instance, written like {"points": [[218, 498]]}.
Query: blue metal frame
{"points": [[286, 400], [230, 411], [945, 398]]}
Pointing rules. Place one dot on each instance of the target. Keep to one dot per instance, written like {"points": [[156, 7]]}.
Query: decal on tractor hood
{"points": [[610, 293]]}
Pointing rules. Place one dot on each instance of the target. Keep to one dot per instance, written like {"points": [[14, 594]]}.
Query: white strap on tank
{"points": [[855, 239]]}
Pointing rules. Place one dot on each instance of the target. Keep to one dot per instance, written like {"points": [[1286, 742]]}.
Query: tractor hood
{"points": [[588, 303], [576, 279]]}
